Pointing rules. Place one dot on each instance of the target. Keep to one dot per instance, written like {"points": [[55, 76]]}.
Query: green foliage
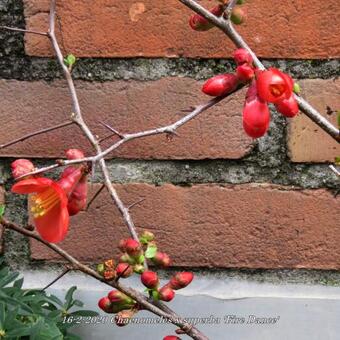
{"points": [[151, 251], [70, 60], [34, 314], [296, 88], [2, 210]]}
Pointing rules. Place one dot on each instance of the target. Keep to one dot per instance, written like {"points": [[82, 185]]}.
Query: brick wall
{"points": [[213, 196]]}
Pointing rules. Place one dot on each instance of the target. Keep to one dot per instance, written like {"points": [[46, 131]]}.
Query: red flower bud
{"points": [[171, 337], [242, 56], [273, 85], [105, 304], [166, 294], [150, 279], [74, 154], [181, 280], [245, 73], [256, 116], [21, 167], [288, 107], [124, 270], [161, 259], [69, 179], [78, 198], [199, 23], [220, 85], [109, 274], [133, 247], [118, 298], [238, 16]]}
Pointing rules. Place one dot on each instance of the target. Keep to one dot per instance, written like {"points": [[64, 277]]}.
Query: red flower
{"points": [[273, 85], [288, 107], [256, 116], [220, 85], [49, 207]]}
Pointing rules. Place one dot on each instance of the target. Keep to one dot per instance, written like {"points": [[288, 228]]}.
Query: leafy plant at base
{"points": [[35, 314]]}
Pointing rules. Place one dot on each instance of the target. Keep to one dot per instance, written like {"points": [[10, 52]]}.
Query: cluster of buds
{"points": [[132, 260], [238, 16], [53, 202], [120, 304], [269, 86], [167, 292]]}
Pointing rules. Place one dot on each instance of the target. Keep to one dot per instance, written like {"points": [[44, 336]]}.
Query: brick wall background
{"points": [[213, 196]]}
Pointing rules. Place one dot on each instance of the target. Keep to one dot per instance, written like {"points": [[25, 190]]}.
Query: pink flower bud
{"points": [[171, 337], [199, 23], [220, 85], [105, 304], [161, 259], [150, 279], [288, 107], [133, 247], [181, 280], [78, 199], [74, 154], [117, 297], [124, 270], [238, 16], [242, 56], [166, 293], [21, 167], [245, 73]]}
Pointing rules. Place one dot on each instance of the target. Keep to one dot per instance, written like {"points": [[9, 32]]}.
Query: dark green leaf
{"points": [[69, 298], [18, 283], [2, 315]]}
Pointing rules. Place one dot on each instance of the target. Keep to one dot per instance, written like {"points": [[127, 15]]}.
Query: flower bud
{"points": [[150, 279], [124, 270], [21, 167], [161, 259], [133, 247], [78, 198], [199, 23], [245, 73], [288, 107], [256, 115], [74, 154], [118, 298], [69, 179], [171, 337], [242, 56], [238, 16], [123, 317], [138, 268], [166, 293], [105, 304], [220, 85], [146, 237], [181, 280]]}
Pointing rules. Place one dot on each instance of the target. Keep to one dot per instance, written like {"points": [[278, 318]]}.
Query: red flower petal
{"points": [[31, 185]]}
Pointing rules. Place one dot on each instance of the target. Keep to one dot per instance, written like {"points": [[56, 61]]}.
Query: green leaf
{"points": [[70, 60], [296, 88], [18, 283], [8, 279], [2, 210], [69, 298], [151, 251], [2, 315]]}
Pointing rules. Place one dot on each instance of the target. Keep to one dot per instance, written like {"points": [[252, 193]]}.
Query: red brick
{"points": [[252, 226], [2, 201], [114, 28], [129, 106], [306, 141]]}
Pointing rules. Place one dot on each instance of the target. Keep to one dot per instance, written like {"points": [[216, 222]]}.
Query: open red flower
{"points": [[48, 206], [273, 85]]}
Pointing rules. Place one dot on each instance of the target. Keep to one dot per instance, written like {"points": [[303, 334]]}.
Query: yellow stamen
{"points": [[43, 202], [277, 90]]}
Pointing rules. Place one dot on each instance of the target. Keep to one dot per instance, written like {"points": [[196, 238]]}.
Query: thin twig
{"points": [[39, 132], [226, 26], [94, 197], [57, 278], [15, 29], [112, 130], [136, 203]]}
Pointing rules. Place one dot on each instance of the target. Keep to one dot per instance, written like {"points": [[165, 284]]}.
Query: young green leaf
{"points": [[151, 251]]}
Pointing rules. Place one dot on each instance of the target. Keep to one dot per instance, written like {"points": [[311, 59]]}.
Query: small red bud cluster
{"points": [[271, 86], [238, 16]]}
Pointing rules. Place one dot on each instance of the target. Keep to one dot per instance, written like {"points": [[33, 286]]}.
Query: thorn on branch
{"points": [[94, 197], [134, 204], [120, 135]]}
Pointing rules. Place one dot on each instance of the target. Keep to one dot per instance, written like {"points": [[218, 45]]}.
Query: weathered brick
{"points": [[114, 28], [253, 226], [129, 106], [2, 201], [306, 141]]}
